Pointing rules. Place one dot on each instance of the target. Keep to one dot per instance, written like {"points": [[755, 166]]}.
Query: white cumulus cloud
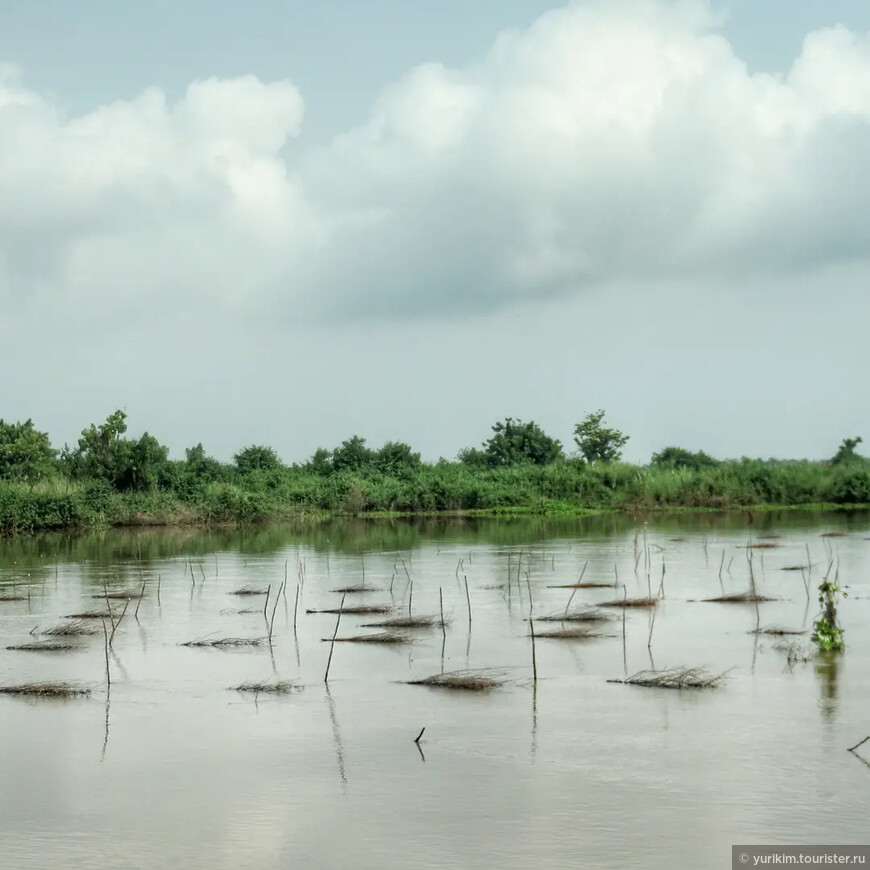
{"points": [[612, 140]]}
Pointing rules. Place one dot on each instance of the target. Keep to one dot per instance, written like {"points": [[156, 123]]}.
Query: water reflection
{"points": [[827, 669]]}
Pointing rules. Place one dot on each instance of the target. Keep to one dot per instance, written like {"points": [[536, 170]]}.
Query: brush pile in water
{"points": [[579, 614], [574, 632], [46, 690], [470, 681], [738, 598], [674, 678], [630, 602], [45, 646], [77, 628], [406, 622], [390, 637], [225, 642], [273, 687], [356, 609]]}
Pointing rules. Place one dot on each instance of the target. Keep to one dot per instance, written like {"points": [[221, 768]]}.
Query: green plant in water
{"points": [[827, 633]]}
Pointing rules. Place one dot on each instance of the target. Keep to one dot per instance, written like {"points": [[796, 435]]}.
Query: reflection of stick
{"points": [[295, 608], [106, 639], [624, 654], [158, 590], [468, 600], [334, 636], [532, 631], [141, 595], [853, 748]]}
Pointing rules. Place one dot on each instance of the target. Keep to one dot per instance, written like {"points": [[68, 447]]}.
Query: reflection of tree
{"points": [[827, 667]]}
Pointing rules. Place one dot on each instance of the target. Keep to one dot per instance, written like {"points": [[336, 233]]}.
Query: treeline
{"points": [[108, 478]]}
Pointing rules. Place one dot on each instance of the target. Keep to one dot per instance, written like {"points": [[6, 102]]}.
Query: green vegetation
{"points": [[827, 633], [109, 479]]}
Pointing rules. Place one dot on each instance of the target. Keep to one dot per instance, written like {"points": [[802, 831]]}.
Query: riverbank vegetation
{"points": [[109, 479]]}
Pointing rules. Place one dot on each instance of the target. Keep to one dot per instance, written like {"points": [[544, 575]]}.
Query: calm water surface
{"points": [[174, 769]]}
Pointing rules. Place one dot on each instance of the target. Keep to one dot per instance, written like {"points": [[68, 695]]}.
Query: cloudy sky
{"points": [[287, 223]]}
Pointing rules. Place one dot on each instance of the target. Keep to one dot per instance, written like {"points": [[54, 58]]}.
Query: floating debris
{"points": [[795, 568], [4, 598], [469, 681], [777, 631], [46, 690], [249, 590], [674, 678]]}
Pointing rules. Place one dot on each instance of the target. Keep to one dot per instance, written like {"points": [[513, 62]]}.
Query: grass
{"points": [[674, 678], [46, 690], [467, 681]]}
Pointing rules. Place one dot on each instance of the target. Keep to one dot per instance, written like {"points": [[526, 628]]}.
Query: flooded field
{"points": [[171, 765]]}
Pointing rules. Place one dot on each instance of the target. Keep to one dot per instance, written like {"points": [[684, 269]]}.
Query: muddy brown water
{"points": [[173, 769]]}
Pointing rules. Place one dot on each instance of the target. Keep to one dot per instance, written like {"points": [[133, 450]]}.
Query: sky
{"points": [[289, 223]]}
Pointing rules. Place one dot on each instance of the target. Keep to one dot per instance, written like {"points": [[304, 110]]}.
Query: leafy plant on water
{"points": [[827, 632]]}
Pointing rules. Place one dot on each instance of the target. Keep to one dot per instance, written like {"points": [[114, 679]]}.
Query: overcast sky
{"points": [[287, 223]]}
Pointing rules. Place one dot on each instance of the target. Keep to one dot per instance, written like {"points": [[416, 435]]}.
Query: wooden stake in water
{"points": [[266, 605], [441, 608], [568, 605], [334, 636], [158, 590]]}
